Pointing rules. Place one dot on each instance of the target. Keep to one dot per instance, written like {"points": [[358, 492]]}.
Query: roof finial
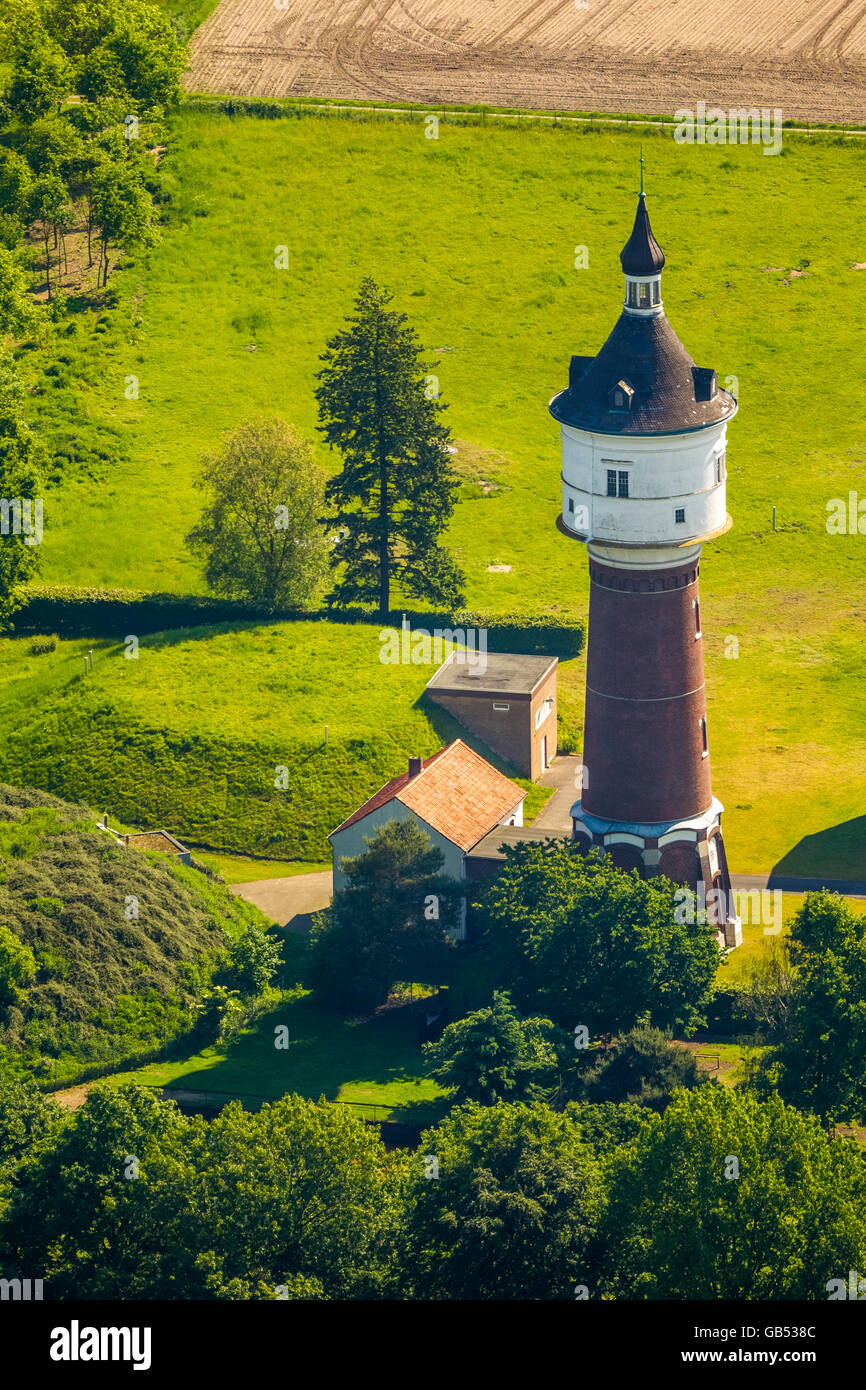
{"points": [[641, 172]]}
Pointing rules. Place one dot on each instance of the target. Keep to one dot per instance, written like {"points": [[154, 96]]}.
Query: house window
{"points": [[713, 854], [704, 744], [611, 482], [543, 711], [500, 707], [644, 295], [632, 295], [623, 484], [680, 515], [657, 298]]}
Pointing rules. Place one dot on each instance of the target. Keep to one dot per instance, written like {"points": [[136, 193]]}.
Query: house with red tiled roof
{"points": [[455, 796]]}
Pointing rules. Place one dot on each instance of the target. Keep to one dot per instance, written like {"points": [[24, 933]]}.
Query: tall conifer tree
{"points": [[395, 494]]}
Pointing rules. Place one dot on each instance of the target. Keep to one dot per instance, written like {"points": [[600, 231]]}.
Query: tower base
{"points": [[689, 852]]}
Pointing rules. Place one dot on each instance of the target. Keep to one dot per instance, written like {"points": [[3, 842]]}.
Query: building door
{"points": [[544, 754]]}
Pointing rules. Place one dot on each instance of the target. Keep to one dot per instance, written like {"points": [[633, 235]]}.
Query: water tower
{"points": [[643, 487]]}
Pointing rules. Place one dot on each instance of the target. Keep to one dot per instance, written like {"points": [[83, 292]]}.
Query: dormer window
{"points": [[621, 396], [706, 383]]}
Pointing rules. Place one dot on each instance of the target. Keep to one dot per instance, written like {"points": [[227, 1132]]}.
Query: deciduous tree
{"points": [[21, 460], [724, 1197], [507, 1209], [821, 1058], [587, 945], [260, 536]]}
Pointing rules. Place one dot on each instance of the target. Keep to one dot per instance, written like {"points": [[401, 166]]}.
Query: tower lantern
{"points": [[643, 485]]}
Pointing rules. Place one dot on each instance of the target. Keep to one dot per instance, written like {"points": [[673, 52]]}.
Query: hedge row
{"points": [[83, 612]]}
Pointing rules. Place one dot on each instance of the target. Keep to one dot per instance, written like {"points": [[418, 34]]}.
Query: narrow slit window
{"points": [[500, 708], [611, 482], [623, 484], [704, 744], [697, 619], [571, 504]]}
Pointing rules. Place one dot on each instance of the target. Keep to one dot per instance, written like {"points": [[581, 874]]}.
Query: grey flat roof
{"points": [[505, 673], [490, 846]]}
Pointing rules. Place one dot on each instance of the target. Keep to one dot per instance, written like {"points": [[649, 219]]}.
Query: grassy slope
{"points": [[64, 888], [476, 232], [190, 735]]}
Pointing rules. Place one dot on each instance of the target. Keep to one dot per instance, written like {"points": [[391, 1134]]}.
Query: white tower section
{"points": [[643, 428], [666, 490]]}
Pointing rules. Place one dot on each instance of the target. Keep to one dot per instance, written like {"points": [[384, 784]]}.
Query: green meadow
{"points": [[476, 234], [194, 733]]}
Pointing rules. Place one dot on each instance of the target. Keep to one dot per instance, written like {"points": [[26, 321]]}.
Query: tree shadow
{"points": [[326, 1051]]}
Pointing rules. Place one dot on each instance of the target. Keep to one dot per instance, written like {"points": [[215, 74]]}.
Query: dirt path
{"points": [[806, 56], [73, 1097], [289, 901]]}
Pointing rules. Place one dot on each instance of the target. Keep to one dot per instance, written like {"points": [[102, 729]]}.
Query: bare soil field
{"points": [[650, 56]]}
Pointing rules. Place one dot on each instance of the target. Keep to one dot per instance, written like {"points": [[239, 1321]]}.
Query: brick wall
{"points": [[645, 697]]}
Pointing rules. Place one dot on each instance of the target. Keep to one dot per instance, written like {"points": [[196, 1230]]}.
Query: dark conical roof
{"points": [[641, 254], [646, 354], [642, 381]]}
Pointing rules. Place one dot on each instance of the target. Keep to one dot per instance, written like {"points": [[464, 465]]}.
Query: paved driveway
{"points": [[289, 901], [555, 815]]}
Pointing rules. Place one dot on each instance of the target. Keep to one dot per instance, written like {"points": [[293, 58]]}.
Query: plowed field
{"points": [[806, 56]]}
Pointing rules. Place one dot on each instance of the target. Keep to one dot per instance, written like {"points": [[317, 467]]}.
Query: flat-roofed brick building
{"points": [[508, 700]]}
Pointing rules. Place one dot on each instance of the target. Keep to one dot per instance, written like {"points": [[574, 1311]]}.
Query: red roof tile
{"points": [[456, 792]]}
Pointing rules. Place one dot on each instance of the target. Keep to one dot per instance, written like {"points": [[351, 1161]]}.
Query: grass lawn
{"points": [[378, 1062], [239, 868], [190, 735], [375, 1061], [188, 14], [476, 232], [756, 941]]}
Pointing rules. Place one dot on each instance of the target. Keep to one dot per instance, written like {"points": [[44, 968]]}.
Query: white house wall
{"points": [[348, 843]]}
